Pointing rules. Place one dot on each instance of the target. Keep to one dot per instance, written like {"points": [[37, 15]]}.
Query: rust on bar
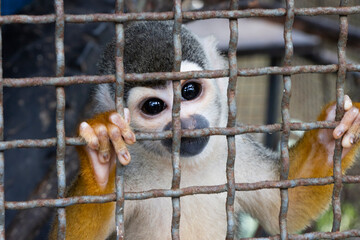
{"points": [[60, 114], [272, 128], [158, 193], [340, 84], [59, 81], [165, 76], [176, 123], [163, 16], [316, 236], [285, 115], [231, 95], [119, 94]]}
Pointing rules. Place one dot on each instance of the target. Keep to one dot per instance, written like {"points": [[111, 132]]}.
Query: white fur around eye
{"points": [[187, 66]]}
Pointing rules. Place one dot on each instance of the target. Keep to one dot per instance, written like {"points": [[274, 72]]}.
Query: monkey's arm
{"points": [[312, 157], [105, 135]]}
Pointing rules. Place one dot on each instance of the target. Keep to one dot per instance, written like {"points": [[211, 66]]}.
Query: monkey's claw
{"points": [[106, 136], [349, 127]]}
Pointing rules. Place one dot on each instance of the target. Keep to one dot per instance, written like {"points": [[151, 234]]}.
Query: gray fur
{"points": [[149, 48]]}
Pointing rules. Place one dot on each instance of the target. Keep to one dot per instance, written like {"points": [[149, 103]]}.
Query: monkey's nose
{"points": [[189, 123], [195, 121], [189, 146]]}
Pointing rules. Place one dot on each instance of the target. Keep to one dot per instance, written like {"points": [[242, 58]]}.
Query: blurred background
{"points": [[29, 51]]}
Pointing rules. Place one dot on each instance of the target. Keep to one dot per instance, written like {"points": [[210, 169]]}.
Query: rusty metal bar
{"points": [[159, 193], [60, 114], [165, 76], [119, 94], [176, 192], [272, 128], [176, 123], [162, 16], [60, 157], [285, 114], [340, 83], [316, 236], [231, 93], [326, 235], [2, 158]]}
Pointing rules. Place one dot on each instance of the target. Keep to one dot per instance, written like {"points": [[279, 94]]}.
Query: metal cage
{"points": [[177, 16]]}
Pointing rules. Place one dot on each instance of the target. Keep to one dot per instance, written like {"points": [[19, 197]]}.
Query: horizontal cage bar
{"points": [[165, 76], [124, 17], [140, 136], [160, 193], [177, 133]]}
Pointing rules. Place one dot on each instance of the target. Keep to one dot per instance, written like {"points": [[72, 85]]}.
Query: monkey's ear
{"points": [[215, 60], [104, 98]]}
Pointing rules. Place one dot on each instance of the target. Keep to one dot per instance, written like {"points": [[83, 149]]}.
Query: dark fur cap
{"points": [[149, 48]]}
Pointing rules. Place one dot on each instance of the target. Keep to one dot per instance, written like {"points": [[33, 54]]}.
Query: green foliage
{"points": [[349, 219]]}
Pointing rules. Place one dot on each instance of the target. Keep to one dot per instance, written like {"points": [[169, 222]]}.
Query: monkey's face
{"points": [[151, 110]]}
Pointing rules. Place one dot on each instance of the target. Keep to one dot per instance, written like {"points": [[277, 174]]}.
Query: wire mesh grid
{"points": [[177, 15]]}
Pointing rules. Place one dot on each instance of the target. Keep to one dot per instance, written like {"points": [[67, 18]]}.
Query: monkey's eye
{"points": [[153, 106], [191, 90]]}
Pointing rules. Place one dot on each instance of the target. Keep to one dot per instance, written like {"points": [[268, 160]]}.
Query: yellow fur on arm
{"points": [[88, 221], [309, 159]]}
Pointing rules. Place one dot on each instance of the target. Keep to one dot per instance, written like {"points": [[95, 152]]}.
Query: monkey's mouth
{"points": [[189, 146]]}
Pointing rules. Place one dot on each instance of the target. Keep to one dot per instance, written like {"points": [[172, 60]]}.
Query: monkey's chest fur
{"points": [[202, 216]]}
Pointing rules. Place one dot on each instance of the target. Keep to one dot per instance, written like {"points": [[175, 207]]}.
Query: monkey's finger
{"points": [[119, 144], [126, 131], [101, 169], [346, 122], [104, 142], [353, 134], [347, 103], [86, 132]]}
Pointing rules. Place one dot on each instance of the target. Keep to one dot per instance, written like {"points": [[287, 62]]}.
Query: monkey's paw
{"points": [[349, 127], [106, 136]]}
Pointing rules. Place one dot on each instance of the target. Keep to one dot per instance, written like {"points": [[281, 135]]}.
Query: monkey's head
{"points": [[149, 48]]}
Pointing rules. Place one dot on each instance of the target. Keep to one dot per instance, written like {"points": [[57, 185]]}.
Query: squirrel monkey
{"points": [[149, 48]]}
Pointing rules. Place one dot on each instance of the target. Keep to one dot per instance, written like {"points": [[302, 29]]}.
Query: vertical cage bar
{"points": [[2, 159], [60, 112], [60, 157], [285, 114], [176, 123], [231, 94], [119, 94], [340, 82]]}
